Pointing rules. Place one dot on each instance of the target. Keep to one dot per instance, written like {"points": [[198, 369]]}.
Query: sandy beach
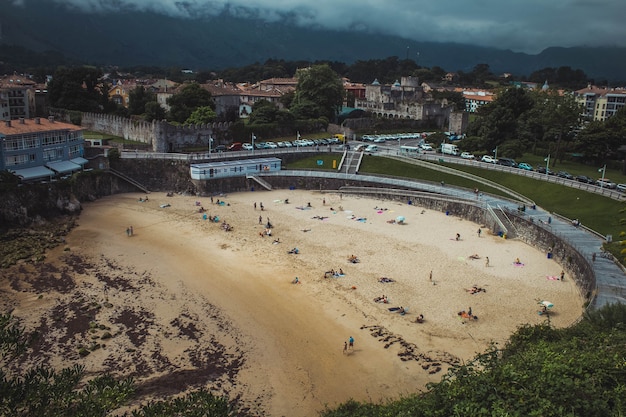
{"points": [[188, 304]]}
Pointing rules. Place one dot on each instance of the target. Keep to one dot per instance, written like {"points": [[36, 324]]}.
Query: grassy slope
{"points": [[594, 211]]}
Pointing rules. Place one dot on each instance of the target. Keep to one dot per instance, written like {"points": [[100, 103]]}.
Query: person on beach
{"points": [[351, 342], [128, 231], [562, 275], [345, 347], [255, 205], [486, 261], [479, 231], [261, 205], [458, 236], [260, 219], [131, 230]]}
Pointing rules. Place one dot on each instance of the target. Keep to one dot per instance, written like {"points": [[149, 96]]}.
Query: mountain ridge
{"points": [[144, 38]]}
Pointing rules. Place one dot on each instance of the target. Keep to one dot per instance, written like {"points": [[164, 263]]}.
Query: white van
{"points": [[450, 149]]}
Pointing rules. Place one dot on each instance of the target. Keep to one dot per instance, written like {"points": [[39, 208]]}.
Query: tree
{"points": [[320, 85], [79, 88], [598, 140], [154, 111], [201, 115], [190, 97], [138, 98], [559, 116], [498, 121], [263, 112]]}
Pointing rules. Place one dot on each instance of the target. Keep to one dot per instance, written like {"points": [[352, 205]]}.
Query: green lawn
{"points": [[573, 168]]}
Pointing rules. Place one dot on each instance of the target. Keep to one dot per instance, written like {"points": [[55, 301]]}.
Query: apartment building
{"points": [[475, 99], [40, 148], [17, 97], [601, 103]]}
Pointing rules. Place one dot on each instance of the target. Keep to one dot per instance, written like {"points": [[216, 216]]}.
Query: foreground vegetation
{"points": [[542, 371]]}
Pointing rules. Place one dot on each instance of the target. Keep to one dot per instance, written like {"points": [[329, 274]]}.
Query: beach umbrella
{"points": [[548, 304], [400, 219]]}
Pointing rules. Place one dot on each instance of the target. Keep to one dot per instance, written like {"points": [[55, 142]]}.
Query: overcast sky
{"points": [[520, 25]]}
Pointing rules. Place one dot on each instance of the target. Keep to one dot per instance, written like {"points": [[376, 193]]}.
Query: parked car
{"points": [[487, 158], [621, 187], [606, 183], [259, 145], [371, 148], [467, 155], [507, 162], [585, 179], [270, 145], [542, 170], [426, 147], [525, 166], [360, 147], [219, 148], [247, 146], [565, 174], [235, 146]]}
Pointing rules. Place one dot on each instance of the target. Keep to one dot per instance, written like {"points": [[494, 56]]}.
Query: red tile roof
{"points": [[31, 126]]}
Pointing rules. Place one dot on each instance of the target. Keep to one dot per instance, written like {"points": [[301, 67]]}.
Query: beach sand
{"points": [[188, 304]]}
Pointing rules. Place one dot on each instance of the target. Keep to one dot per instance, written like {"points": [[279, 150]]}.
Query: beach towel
{"points": [[552, 277], [518, 264], [385, 279], [164, 205], [394, 309], [222, 203], [339, 275], [303, 208]]}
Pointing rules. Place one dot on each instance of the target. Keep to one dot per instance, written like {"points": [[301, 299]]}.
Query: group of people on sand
{"points": [[382, 299], [353, 259], [129, 231], [333, 273], [475, 289], [467, 315]]}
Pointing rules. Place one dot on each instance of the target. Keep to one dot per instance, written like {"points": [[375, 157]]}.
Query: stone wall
{"points": [[561, 251], [160, 135]]}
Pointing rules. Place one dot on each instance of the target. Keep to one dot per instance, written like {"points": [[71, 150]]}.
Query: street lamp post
{"points": [[603, 169], [547, 164], [495, 151]]}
